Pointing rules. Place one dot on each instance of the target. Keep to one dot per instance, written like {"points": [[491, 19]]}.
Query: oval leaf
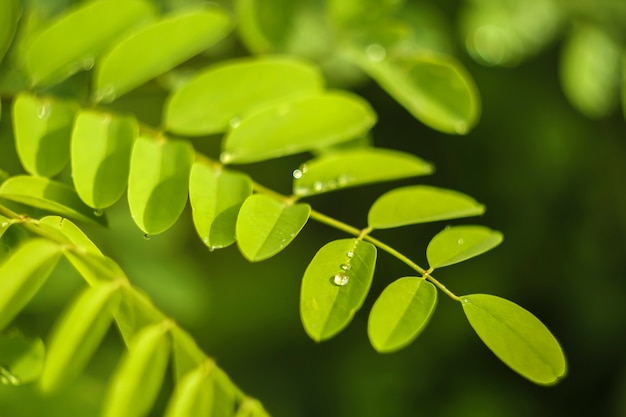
{"points": [[354, 167], [22, 359], [48, 195], [100, 149], [158, 182], [266, 226], [194, 394], [459, 243], [517, 337], [225, 92], [42, 133], [83, 36], [23, 273], [139, 376], [9, 16], [216, 195], [157, 48], [297, 126], [401, 313], [335, 285], [78, 334], [420, 204], [71, 232]]}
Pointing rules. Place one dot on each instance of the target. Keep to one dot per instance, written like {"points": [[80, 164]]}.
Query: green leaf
{"points": [[158, 182], [78, 334], [335, 285], [135, 313], [157, 48], [71, 232], [138, 378], [42, 133], [459, 243], [517, 337], [401, 313], [100, 149], [265, 25], [228, 91], [23, 273], [94, 268], [22, 358], [48, 195], [5, 223], [83, 36], [359, 13], [250, 407], [296, 126], [265, 226], [186, 353], [353, 167], [216, 195], [591, 63], [420, 204], [436, 89], [9, 17], [194, 394]]}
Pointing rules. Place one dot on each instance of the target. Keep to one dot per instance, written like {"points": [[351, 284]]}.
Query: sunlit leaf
{"points": [[5, 223], [265, 226], [186, 354], [157, 48], [94, 268], [158, 182], [71, 232], [193, 395], [517, 337], [100, 149], [401, 313], [78, 334], [9, 16], [42, 128], [459, 243], [23, 273], [84, 38], [138, 378], [420, 204], [226, 92], [335, 285], [135, 313], [216, 195], [297, 126], [48, 195], [22, 358], [353, 167], [250, 407]]}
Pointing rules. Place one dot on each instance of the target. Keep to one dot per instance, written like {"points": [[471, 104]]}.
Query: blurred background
{"points": [[547, 158]]}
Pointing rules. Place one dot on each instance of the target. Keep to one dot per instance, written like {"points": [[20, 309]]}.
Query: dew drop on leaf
{"points": [[7, 377], [98, 212], [340, 279], [460, 241], [345, 267], [147, 236], [375, 52], [350, 254], [88, 63], [297, 173], [4, 224], [318, 186], [44, 111]]}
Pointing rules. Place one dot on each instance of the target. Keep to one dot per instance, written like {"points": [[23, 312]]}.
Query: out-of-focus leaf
{"points": [[157, 48], [78, 334], [22, 358], [353, 167], [250, 407], [401, 313], [5, 223], [135, 313], [42, 128], [361, 12], [225, 93], [48, 195], [194, 393], [335, 285], [84, 36], [296, 126], [265, 226], [216, 194], [9, 16], [23, 273], [459, 243], [187, 355], [420, 204], [158, 182], [517, 337], [264, 25], [101, 147]]}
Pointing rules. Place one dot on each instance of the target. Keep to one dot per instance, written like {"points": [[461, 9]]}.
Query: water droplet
{"points": [[304, 168], [212, 248], [460, 241], [44, 111], [5, 224], [345, 267], [226, 157], [375, 52], [343, 180], [147, 236], [106, 94], [318, 186], [340, 279], [234, 122], [205, 239], [350, 254], [297, 173], [7, 377], [88, 63], [98, 212]]}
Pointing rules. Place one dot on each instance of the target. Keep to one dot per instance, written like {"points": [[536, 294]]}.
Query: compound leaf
{"points": [[100, 153], [226, 92], [158, 182], [216, 195], [157, 48], [23, 273], [84, 38], [335, 285], [517, 337], [420, 204], [78, 334], [296, 126], [22, 358], [353, 167], [42, 133], [9, 17], [401, 313], [459, 243], [265, 226]]}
